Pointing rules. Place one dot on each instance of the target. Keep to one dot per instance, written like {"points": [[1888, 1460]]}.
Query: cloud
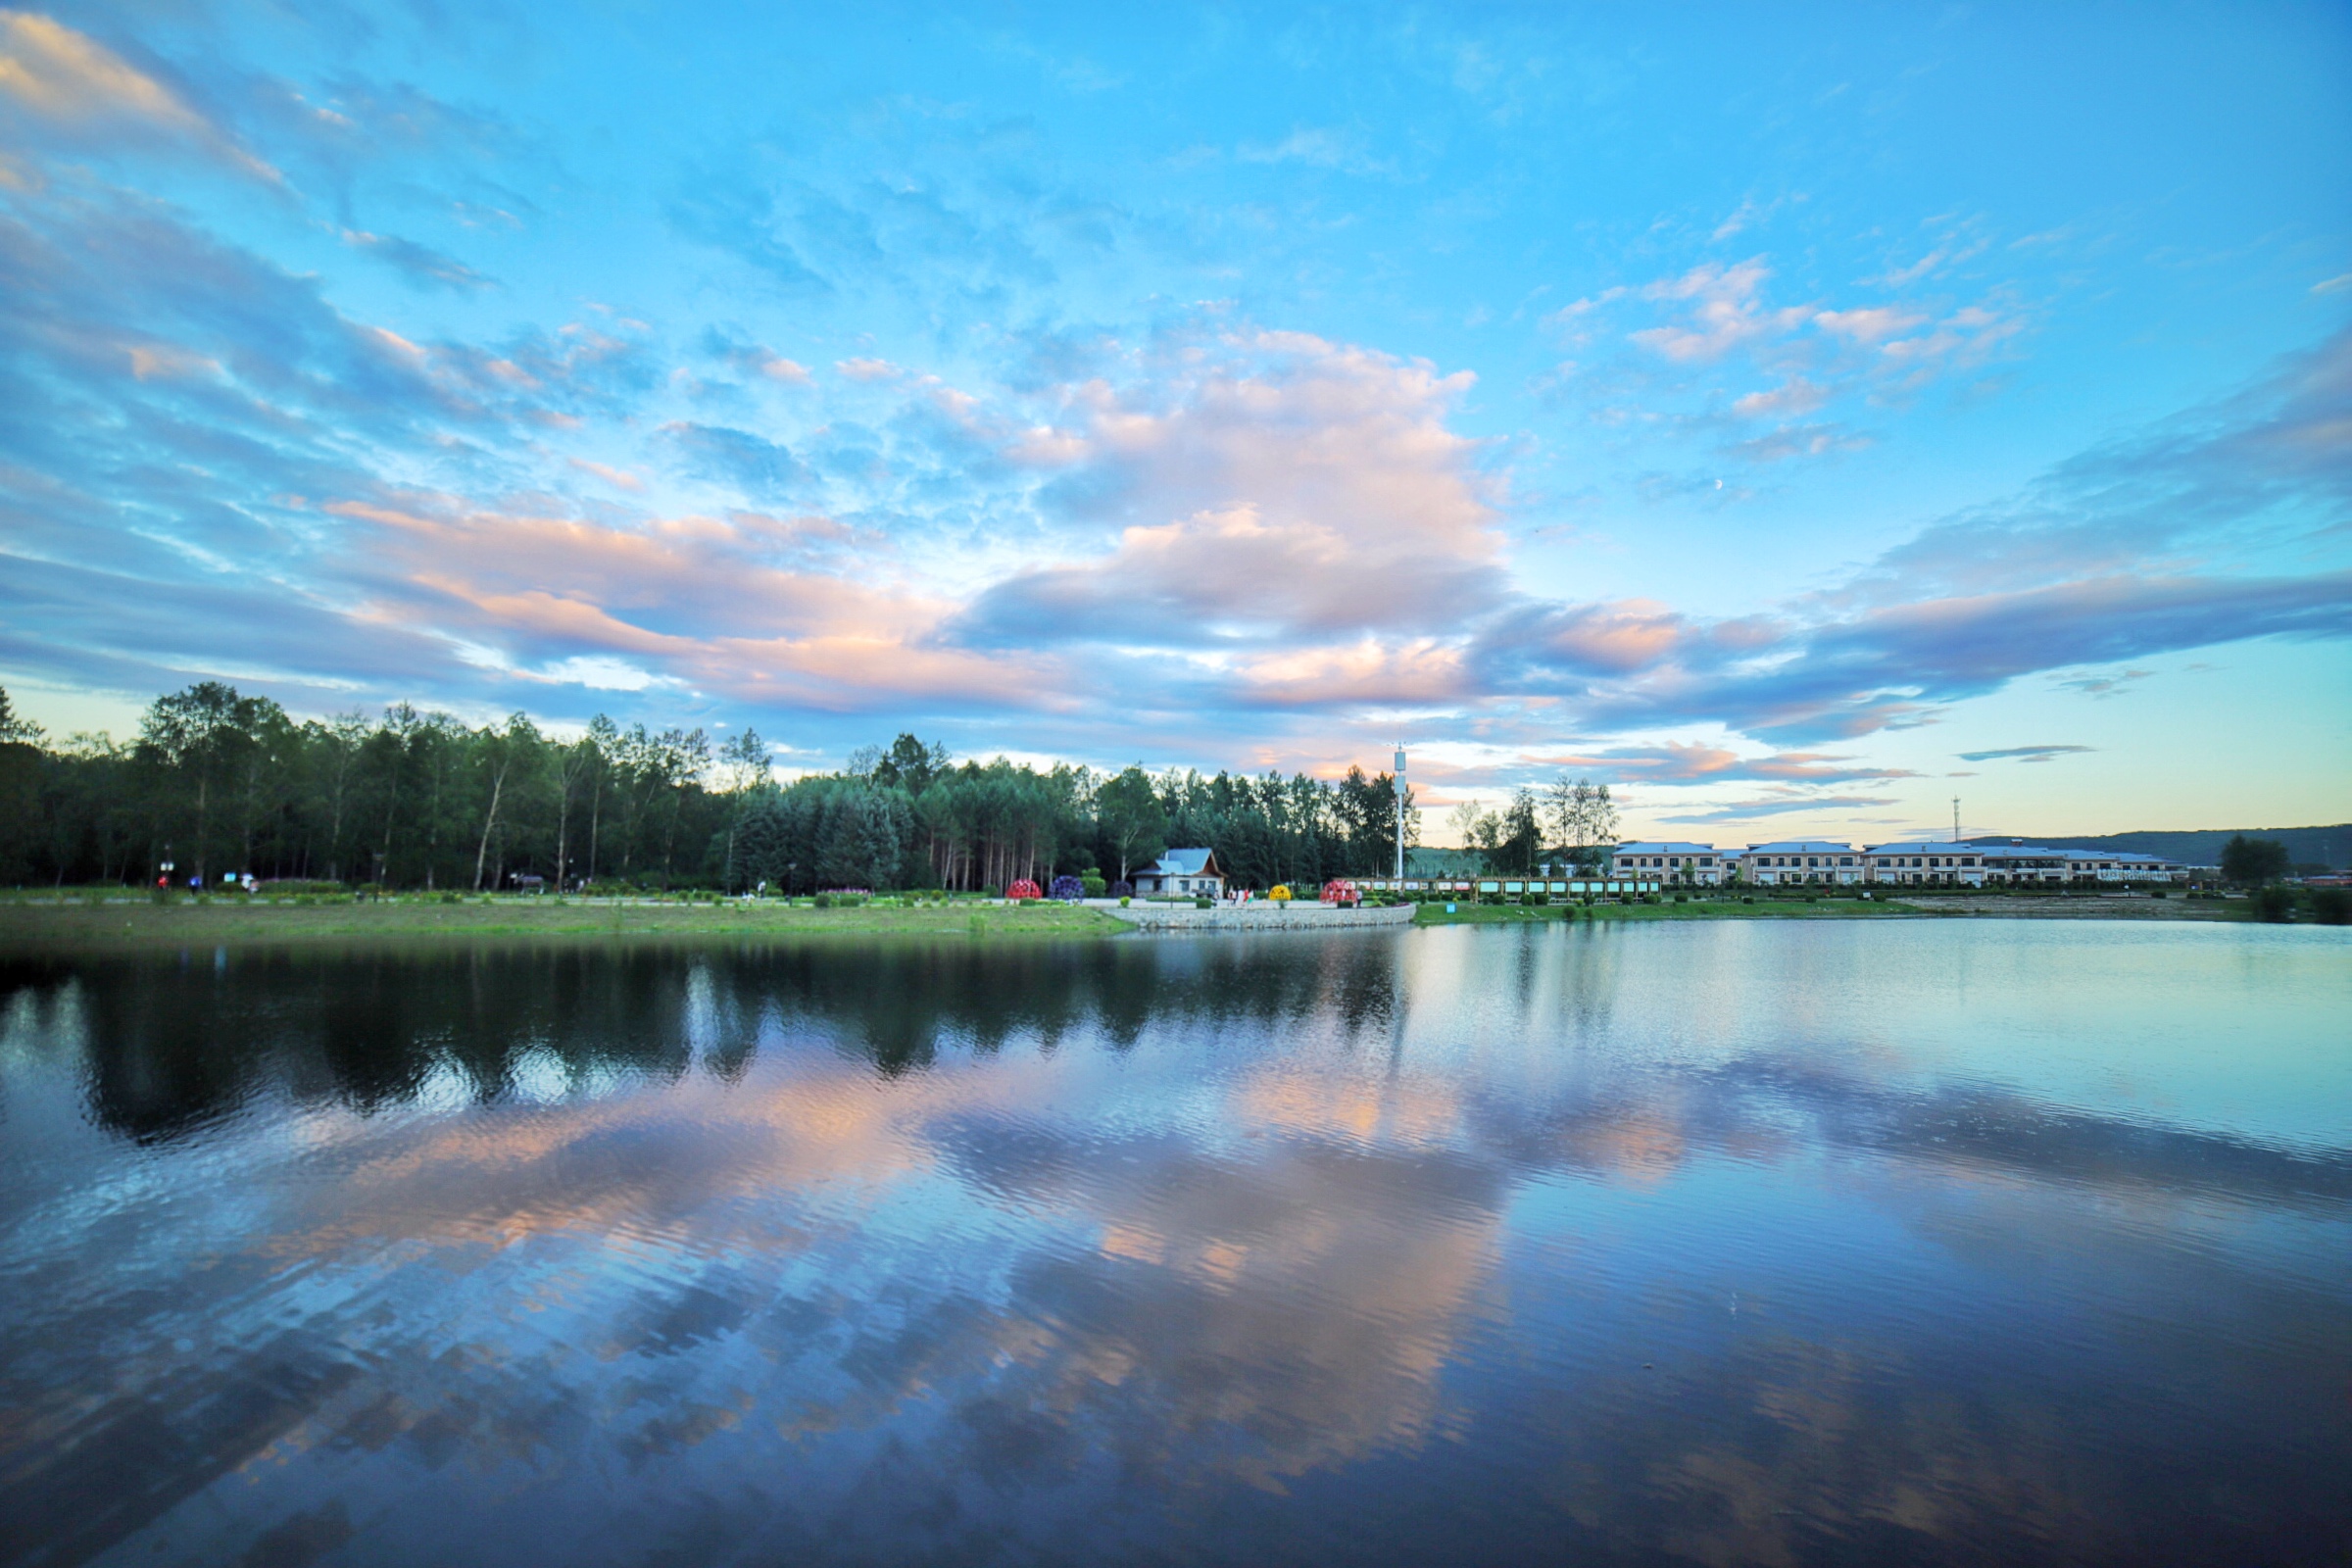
{"points": [[1780, 805], [1677, 762], [1317, 147], [867, 370], [753, 358], [1292, 490], [2105, 685], [1798, 441], [75, 87], [2023, 753], [755, 469], [421, 264], [1715, 312], [1793, 397], [1724, 309]]}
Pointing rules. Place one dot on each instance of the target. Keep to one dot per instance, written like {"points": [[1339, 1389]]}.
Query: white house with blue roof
{"points": [[1183, 871]]}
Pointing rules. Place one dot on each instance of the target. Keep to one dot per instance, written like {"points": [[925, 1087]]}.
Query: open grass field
{"points": [[37, 923]]}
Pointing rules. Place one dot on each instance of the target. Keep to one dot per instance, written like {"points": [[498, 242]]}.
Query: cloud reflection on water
{"points": [[1090, 1246]]}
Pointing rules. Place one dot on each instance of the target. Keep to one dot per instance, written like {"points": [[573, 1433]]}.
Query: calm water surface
{"points": [[1940, 1242]]}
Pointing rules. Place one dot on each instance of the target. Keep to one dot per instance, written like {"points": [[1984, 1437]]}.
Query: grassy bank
{"points": [[35, 924], [38, 922]]}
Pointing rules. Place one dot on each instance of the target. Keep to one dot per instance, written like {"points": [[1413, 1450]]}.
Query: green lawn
{"points": [[34, 923]]}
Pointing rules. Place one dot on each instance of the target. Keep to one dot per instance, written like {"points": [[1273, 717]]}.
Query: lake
{"points": [[1693, 1241]]}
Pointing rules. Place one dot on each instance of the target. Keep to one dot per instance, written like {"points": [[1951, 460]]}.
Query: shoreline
{"points": [[33, 924]]}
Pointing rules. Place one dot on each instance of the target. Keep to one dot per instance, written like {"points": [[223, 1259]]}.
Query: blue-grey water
{"points": [[1703, 1242]]}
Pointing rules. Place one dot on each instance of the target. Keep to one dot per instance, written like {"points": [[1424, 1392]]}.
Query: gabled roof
{"points": [[1186, 862]]}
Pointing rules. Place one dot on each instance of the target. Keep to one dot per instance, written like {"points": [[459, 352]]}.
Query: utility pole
{"points": [[1955, 819], [1399, 814]]}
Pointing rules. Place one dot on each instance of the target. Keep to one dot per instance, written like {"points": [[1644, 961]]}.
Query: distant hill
{"points": [[2313, 846]]}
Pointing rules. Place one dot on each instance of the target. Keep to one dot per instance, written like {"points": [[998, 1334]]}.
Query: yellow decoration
{"points": [[1281, 892]]}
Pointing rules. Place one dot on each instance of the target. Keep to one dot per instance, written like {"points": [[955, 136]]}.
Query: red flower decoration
{"points": [[1023, 889]]}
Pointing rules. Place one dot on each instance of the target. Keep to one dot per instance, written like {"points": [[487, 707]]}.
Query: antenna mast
{"points": [[1400, 811]]}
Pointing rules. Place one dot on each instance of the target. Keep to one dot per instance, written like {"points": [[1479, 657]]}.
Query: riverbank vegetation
{"points": [[217, 782], [93, 919]]}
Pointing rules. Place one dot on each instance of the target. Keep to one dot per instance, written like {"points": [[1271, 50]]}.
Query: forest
{"points": [[217, 783]]}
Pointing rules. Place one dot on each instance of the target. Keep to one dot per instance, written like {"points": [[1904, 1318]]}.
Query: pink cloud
{"points": [[1725, 311]]}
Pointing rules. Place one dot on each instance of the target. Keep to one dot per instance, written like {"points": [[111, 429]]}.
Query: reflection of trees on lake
{"points": [[173, 1043]]}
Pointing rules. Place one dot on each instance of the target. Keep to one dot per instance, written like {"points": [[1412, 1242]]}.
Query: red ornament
{"points": [[1023, 889], [1338, 889]]}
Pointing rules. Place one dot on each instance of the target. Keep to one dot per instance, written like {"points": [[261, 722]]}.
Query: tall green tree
{"points": [[1134, 823], [2253, 862]]}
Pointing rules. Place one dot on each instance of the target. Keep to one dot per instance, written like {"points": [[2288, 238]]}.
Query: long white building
{"points": [[1799, 861], [1671, 860], [1926, 862]]}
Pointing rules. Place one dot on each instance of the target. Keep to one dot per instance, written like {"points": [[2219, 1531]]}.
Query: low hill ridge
{"points": [[2305, 846]]}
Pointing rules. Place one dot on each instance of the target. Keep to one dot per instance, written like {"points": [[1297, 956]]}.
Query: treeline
{"points": [[219, 783]]}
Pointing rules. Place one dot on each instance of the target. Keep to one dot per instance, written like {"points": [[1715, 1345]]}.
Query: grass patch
{"points": [[28, 925]]}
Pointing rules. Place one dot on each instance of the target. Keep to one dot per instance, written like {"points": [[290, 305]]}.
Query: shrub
{"points": [[1204, 904], [1747, 897], [825, 901], [992, 894], [2273, 903], [1539, 899], [1121, 890], [1091, 887], [2332, 906], [1125, 899]]}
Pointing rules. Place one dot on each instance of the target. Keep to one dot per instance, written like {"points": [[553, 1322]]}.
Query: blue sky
{"points": [[1797, 416]]}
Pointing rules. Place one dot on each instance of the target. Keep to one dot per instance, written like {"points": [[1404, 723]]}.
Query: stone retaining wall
{"points": [[1255, 916]]}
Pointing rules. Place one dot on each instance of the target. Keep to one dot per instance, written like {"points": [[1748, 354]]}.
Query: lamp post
{"points": [[1399, 814]]}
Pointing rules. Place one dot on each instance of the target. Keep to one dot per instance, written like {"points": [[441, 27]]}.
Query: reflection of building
{"points": [[1670, 861], [1796, 861], [1180, 871], [1932, 863]]}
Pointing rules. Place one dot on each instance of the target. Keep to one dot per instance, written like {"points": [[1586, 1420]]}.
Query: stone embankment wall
{"points": [[1254, 917]]}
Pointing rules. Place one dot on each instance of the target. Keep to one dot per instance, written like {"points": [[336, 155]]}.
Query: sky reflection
{"points": [[1715, 1242]]}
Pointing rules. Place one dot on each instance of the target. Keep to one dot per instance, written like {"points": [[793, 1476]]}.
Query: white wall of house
{"points": [[1799, 862]]}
